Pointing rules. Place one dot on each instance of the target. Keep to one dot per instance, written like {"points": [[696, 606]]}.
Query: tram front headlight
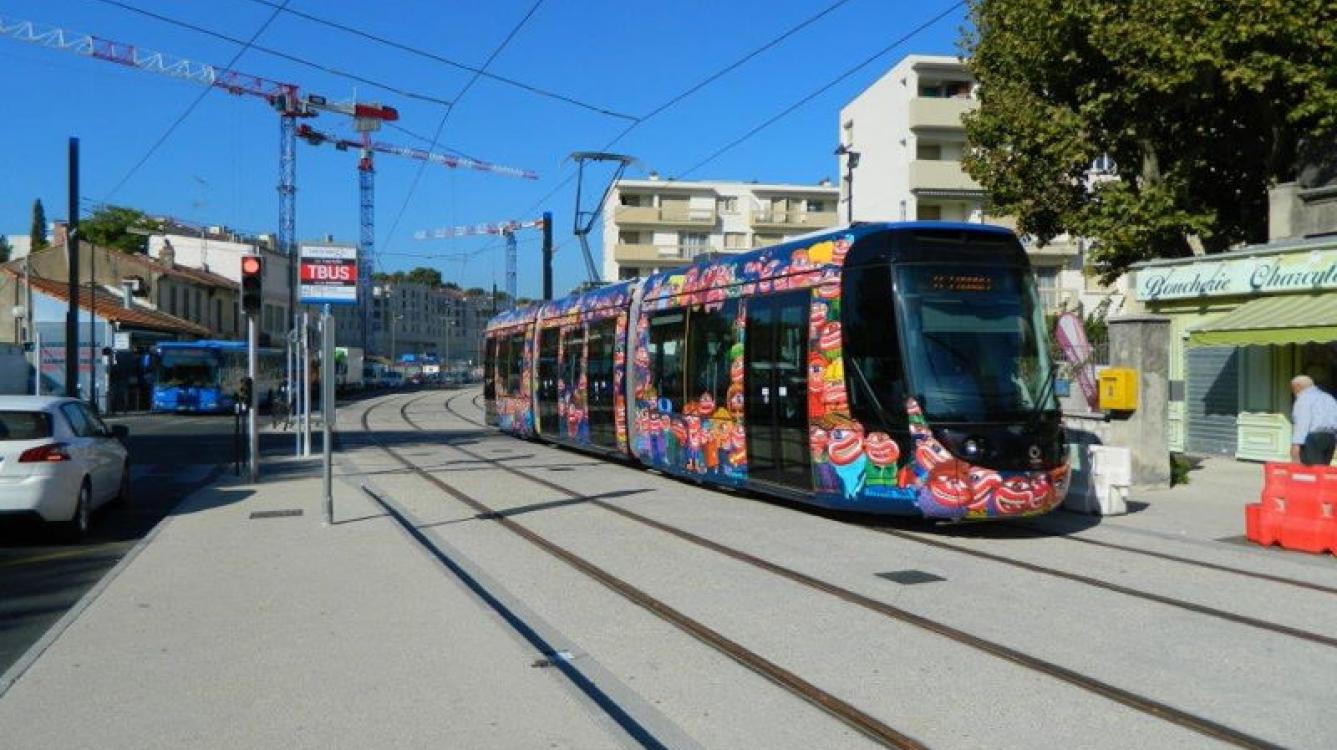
{"points": [[972, 447]]}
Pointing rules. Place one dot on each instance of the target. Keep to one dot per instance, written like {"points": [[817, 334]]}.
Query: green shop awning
{"points": [[1284, 319]]}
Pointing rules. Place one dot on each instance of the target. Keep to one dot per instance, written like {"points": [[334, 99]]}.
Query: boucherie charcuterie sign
{"points": [[328, 275], [1309, 270]]}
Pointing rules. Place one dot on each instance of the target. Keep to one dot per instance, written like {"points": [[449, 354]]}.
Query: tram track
{"points": [[1040, 533], [1141, 703], [844, 712]]}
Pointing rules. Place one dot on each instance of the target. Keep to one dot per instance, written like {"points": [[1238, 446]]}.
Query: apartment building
{"points": [[419, 319], [213, 254], [901, 141], [651, 225]]}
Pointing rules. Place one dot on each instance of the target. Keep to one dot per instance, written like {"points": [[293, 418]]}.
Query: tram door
{"points": [[776, 349], [599, 388], [547, 385]]}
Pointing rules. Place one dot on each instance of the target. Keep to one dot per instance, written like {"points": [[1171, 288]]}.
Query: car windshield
{"points": [[24, 425], [197, 369], [973, 347]]}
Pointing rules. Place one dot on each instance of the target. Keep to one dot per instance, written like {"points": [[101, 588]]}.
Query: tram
{"points": [[891, 368]]}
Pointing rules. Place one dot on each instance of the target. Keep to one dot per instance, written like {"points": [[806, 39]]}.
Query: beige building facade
{"points": [[651, 225]]}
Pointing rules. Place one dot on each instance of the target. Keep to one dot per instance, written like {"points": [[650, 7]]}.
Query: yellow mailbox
{"points": [[1118, 389]]}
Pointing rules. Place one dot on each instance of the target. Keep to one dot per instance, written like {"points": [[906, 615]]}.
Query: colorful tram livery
{"points": [[886, 368]]}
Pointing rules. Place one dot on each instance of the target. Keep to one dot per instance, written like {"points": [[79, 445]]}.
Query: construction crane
{"points": [[366, 171], [506, 229], [286, 98]]}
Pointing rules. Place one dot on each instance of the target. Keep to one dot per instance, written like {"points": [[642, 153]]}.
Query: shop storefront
{"points": [[1242, 325]]}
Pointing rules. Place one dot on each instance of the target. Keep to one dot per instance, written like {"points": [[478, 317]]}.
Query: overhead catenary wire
{"points": [[478, 71], [191, 107], [679, 97], [828, 86], [440, 126], [279, 53]]}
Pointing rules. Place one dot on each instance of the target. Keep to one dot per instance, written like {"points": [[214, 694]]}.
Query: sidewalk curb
{"points": [[53, 633]]}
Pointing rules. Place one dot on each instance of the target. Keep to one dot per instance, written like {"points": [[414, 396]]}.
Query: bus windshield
{"points": [[186, 368], [974, 342]]}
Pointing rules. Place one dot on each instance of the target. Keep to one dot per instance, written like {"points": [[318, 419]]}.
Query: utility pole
{"points": [[72, 249], [547, 256]]}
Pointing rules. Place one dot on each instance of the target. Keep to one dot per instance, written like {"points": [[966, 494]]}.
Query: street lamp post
{"points": [[394, 324], [851, 161]]}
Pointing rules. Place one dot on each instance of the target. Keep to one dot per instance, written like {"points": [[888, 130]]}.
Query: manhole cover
{"points": [[276, 513], [909, 577]]}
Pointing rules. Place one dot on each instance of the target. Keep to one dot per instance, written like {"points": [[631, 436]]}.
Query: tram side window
{"points": [[489, 373], [667, 331], [515, 364], [874, 376], [711, 336]]}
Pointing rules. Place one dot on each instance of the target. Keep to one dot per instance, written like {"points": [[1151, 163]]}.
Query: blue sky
{"points": [[221, 165]]}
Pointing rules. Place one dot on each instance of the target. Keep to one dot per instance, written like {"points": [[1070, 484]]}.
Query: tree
{"points": [[5, 249], [1202, 104], [423, 275], [110, 226], [38, 229]]}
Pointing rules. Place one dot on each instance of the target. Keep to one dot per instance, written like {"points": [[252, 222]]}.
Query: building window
{"points": [[928, 212], [1046, 283], [928, 151], [692, 243], [628, 272], [629, 238], [815, 206], [629, 199], [727, 205], [735, 240]]}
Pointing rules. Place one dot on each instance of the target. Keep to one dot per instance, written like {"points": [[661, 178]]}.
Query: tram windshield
{"points": [[974, 342]]}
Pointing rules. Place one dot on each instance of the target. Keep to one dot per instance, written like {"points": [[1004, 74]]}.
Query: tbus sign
{"points": [[329, 275]]}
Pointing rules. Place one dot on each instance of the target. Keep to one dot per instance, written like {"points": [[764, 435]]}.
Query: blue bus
{"points": [[203, 376]]}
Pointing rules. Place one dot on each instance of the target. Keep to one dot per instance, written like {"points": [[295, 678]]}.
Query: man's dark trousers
{"points": [[1318, 449]]}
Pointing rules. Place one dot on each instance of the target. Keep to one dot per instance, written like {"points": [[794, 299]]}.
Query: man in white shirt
{"points": [[1314, 417]]}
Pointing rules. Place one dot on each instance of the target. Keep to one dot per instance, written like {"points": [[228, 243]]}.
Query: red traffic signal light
{"points": [[252, 277]]}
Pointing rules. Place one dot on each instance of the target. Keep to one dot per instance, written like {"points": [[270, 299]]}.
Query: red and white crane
{"points": [[286, 98], [506, 229]]}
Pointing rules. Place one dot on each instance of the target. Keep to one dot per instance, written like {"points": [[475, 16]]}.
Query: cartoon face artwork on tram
{"points": [[575, 316], [852, 467]]}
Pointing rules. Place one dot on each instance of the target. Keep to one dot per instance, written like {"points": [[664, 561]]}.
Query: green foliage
{"points": [[110, 227], [1180, 466], [1201, 104], [5, 249], [38, 229], [419, 275]]}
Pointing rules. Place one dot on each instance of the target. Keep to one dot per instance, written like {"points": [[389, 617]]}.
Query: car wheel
{"points": [[76, 528], [123, 494]]}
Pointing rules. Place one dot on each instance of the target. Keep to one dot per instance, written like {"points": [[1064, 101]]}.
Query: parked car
{"points": [[59, 462]]}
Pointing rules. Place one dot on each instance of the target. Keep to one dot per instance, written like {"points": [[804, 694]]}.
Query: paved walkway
{"points": [[230, 630]]}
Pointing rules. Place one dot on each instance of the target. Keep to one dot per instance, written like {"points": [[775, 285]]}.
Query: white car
{"points": [[58, 461]]}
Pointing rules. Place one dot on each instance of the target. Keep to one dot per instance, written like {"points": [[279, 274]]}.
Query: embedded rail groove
{"points": [[1201, 609], [1111, 692], [795, 685]]}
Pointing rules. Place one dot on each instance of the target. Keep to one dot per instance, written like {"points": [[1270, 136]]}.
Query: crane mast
{"points": [[506, 229]]}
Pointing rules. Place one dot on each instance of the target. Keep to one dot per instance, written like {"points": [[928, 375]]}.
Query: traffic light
{"points": [[244, 393], [252, 274]]}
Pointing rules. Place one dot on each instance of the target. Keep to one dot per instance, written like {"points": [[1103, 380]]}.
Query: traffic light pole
{"points": [[252, 433]]}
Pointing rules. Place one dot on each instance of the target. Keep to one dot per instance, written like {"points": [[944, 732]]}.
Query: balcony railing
{"points": [[695, 217], [794, 219], [941, 175], [939, 114], [629, 253]]}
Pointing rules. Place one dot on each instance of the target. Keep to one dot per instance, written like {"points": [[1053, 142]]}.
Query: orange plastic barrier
{"points": [[1297, 508]]}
